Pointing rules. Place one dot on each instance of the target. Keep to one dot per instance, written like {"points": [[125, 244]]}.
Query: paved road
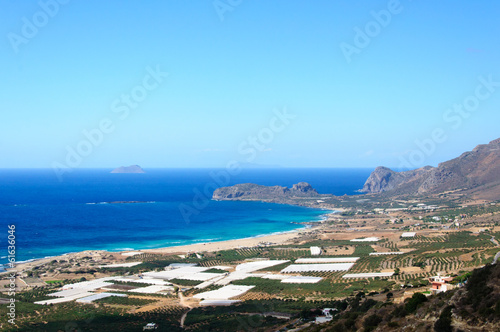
{"points": [[497, 256]]}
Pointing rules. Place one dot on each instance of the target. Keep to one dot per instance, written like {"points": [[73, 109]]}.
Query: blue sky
{"points": [[232, 66]]}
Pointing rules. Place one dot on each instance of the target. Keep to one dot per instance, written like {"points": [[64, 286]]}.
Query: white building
{"points": [[315, 251], [440, 284]]}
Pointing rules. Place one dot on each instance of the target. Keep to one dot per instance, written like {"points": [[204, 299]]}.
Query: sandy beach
{"points": [[273, 239], [98, 255], [289, 237]]}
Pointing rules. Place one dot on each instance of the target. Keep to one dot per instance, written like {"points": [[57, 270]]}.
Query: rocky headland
{"points": [[251, 191]]}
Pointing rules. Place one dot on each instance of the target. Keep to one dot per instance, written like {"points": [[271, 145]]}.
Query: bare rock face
{"points": [[252, 191], [384, 179], [474, 169], [303, 188], [135, 169]]}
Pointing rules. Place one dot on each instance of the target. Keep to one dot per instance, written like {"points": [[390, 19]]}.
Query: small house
{"points": [[440, 284]]}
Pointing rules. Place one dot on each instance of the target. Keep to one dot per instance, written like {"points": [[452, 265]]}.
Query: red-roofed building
{"points": [[440, 284]]}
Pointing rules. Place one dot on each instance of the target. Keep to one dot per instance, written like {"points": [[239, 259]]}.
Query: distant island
{"points": [[134, 169]]}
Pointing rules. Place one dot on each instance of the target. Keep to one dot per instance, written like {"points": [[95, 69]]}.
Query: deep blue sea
{"points": [[54, 217]]}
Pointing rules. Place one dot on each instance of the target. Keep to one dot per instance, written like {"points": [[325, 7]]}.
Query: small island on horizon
{"points": [[133, 169]]}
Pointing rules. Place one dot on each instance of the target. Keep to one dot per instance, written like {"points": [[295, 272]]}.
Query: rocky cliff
{"points": [[476, 169], [252, 191]]}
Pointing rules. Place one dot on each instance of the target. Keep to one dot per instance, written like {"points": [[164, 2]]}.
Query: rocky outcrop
{"points": [[474, 169], [250, 191], [384, 179], [135, 169], [303, 189]]}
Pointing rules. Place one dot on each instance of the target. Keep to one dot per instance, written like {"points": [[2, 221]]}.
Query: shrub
{"points": [[400, 311], [443, 324], [371, 322], [365, 306], [413, 303], [393, 324]]}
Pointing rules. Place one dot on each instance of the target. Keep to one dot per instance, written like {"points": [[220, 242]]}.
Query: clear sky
{"points": [[354, 83]]}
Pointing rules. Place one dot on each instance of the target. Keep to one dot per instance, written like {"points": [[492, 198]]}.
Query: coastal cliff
{"points": [[474, 170], [250, 191]]}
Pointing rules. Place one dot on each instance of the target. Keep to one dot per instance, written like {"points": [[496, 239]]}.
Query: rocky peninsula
{"points": [[251, 191]]}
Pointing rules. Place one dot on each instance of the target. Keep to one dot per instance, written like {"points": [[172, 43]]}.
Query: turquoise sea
{"points": [[172, 207]]}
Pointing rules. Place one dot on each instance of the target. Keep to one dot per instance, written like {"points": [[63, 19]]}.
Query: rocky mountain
{"points": [[477, 170], [136, 169], [250, 191]]}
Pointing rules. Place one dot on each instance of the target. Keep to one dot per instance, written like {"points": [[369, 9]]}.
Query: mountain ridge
{"points": [[472, 170]]}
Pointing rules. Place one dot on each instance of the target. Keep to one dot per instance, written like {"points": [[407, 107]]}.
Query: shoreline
{"points": [[275, 238], [254, 241]]}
